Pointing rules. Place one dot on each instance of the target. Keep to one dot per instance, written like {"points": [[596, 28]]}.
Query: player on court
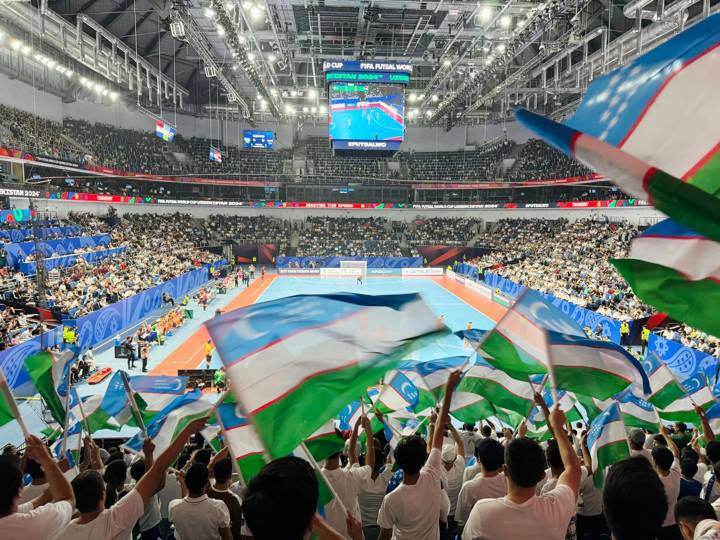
{"points": [[359, 280]]}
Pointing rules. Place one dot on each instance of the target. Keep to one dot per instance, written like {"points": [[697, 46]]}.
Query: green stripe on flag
{"points": [[511, 359], [589, 380], [606, 456], [693, 302], [39, 367]]}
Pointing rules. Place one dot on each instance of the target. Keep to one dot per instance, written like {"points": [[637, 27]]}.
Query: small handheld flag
{"points": [[607, 441]]}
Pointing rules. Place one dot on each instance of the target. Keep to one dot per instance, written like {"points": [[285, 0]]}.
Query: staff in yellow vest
{"points": [[624, 334], [644, 337]]}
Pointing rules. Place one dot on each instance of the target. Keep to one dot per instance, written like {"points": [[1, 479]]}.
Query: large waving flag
{"points": [[498, 388], [155, 392], [72, 440], [325, 442], [677, 271], [49, 373], [697, 392], [535, 336], [665, 387], [171, 421], [295, 362], [429, 378], [607, 441], [628, 127], [8, 407]]}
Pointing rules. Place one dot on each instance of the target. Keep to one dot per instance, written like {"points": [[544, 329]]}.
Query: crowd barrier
{"points": [[19, 235], [69, 260], [468, 270], [17, 252], [100, 325], [334, 262]]}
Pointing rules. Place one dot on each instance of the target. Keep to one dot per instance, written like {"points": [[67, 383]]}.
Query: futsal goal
{"points": [[361, 265]]}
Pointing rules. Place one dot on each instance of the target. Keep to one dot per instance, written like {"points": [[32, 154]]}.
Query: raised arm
{"points": [[670, 443], [352, 444], [60, 488], [459, 444], [572, 474], [452, 382], [147, 486], [587, 458], [540, 402], [369, 443], [708, 434]]}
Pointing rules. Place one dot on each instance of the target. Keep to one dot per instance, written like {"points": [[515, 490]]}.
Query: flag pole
{"points": [[82, 412], [68, 387], [133, 405], [10, 398], [317, 467]]}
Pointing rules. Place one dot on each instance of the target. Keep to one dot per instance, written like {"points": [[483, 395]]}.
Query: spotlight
{"points": [[305, 109], [273, 91], [428, 113], [312, 94], [505, 21], [256, 13], [293, 93], [485, 14], [447, 62], [272, 57], [15, 44], [251, 56], [114, 96], [220, 30], [500, 48], [313, 110], [209, 12], [323, 109]]}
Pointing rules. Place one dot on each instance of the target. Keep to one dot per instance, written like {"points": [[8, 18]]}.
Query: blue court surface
{"points": [[370, 122], [457, 315]]}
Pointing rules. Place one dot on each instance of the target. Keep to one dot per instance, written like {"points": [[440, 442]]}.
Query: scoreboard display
{"points": [[258, 139], [367, 104]]}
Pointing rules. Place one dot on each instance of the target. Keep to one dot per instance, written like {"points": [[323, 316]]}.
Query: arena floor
{"points": [[185, 349]]}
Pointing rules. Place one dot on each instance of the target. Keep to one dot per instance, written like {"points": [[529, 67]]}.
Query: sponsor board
{"points": [[383, 271], [314, 271], [450, 274], [422, 271], [479, 288], [347, 272]]}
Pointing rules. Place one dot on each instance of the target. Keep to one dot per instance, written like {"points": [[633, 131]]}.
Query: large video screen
{"points": [[366, 115], [258, 139]]}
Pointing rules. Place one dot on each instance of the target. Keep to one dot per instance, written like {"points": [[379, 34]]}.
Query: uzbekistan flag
{"points": [[155, 392], [296, 361], [429, 378], [677, 271], [665, 387], [398, 393], [607, 441], [325, 442], [96, 417], [653, 127], [8, 407], [534, 337], [72, 445], [468, 407], [697, 392], [245, 445], [170, 422], [50, 375], [165, 131], [498, 388]]}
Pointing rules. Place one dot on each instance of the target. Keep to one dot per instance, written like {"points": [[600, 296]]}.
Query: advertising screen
{"points": [[258, 139]]}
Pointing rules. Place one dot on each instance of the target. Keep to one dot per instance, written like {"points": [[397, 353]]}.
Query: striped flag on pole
{"points": [[49, 373], [296, 361], [696, 393], [468, 407], [398, 392], [8, 407], [245, 445], [677, 271], [497, 387], [627, 127], [429, 378], [665, 387], [607, 441]]}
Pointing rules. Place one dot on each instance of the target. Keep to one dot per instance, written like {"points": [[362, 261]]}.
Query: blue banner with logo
{"points": [[69, 260], [17, 252], [100, 325], [684, 361], [18, 235], [334, 262]]}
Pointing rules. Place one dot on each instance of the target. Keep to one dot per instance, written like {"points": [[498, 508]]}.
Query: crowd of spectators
{"points": [[143, 152], [538, 160], [349, 237], [442, 231]]}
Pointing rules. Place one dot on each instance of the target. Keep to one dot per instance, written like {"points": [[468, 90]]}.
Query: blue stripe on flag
{"points": [[247, 330], [115, 399], [537, 310], [668, 228], [555, 133], [230, 416], [609, 415], [431, 366], [626, 92]]}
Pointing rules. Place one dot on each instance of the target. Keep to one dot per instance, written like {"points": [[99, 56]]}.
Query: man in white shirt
{"points": [[665, 461], [637, 444], [521, 513], [412, 510], [347, 481], [710, 481], [116, 523], [689, 513], [454, 465], [35, 521], [470, 436], [489, 484], [198, 517]]}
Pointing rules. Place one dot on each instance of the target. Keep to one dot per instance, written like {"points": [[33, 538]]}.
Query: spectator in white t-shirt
{"points": [[489, 484], [667, 466], [36, 520], [470, 436], [149, 522], [711, 483], [690, 512], [196, 516], [412, 511], [372, 493], [453, 459], [116, 523], [637, 444], [590, 519], [347, 481], [521, 513], [634, 501]]}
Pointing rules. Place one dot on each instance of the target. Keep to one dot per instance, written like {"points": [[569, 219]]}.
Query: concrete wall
{"points": [[123, 115], [632, 214]]}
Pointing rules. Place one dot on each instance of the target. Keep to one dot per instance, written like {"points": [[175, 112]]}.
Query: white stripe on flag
{"points": [[633, 409], [524, 334], [244, 441], [612, 432], [695, 258], [595, 358]]}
